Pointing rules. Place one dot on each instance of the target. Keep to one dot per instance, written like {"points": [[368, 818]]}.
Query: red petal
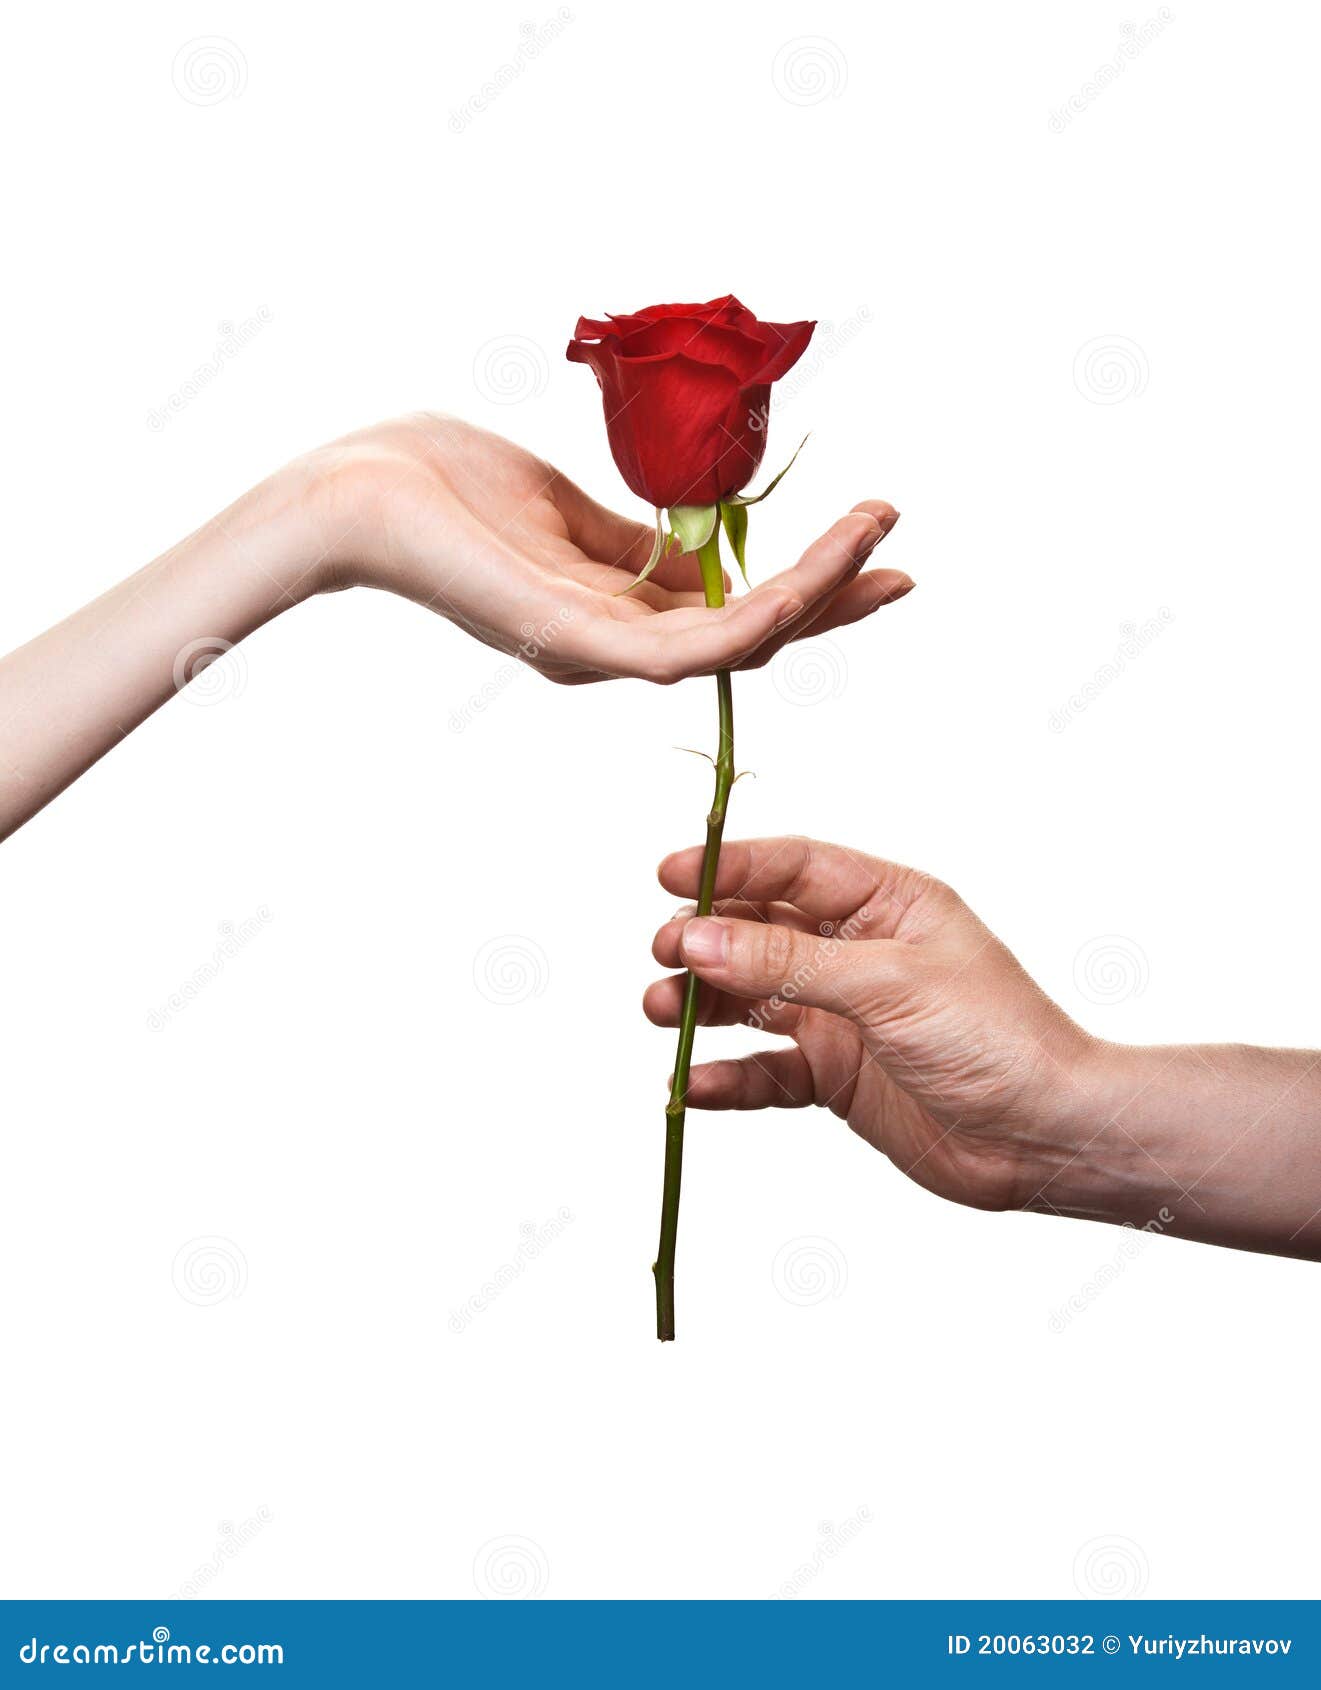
{"points": [[786, 343]]}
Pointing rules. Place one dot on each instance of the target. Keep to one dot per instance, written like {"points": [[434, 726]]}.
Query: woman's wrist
{"points": [[287, 538], [309, 528]]}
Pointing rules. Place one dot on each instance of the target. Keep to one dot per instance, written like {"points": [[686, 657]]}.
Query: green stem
{"points": [[675, 1109]]}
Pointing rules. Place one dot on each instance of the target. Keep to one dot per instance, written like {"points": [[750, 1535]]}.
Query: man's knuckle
{"points": [[776, 952], [939, 893], [805, 850]]}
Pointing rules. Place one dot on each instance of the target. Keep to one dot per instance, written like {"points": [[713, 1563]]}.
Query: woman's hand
{"points": [[504, 545], [458, 519], [914, 1023]]}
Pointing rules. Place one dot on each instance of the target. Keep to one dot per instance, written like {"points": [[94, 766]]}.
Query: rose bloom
{"points": [[686, 390]]}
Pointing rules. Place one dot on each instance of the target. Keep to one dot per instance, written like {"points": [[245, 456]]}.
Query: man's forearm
{"points": [[1220, 1143]]}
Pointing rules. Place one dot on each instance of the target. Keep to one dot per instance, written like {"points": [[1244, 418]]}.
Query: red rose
{"points": [[686, 391]]}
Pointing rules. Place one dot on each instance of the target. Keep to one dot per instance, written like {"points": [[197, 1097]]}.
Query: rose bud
{"points": [[686, 391]]}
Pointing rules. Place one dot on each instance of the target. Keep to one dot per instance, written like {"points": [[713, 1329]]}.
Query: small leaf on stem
{"points": [[658, 551], [735, 519], [742, 499]]}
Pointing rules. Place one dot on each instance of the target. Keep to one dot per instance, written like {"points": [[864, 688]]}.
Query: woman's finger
{"points": [[838, 554], [622, 543], [825, 565], [674, 644], [852, 602], [860, 598], [603, 534], [671, 645]]}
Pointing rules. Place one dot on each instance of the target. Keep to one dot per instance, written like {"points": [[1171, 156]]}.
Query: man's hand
{"points": [[914, 1023], [908, 1018]]}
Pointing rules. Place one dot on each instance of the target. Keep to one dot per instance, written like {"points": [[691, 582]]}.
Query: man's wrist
{"points": [[1213, 1142], [1103, 1158]]}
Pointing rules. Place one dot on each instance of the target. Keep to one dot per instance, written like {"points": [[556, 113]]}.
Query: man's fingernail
{"points": [[683, 912], [790, 609], [904, 585], [705, 942]]}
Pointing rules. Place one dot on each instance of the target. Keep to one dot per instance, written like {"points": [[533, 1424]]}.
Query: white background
{"points": [[1070, 329]]}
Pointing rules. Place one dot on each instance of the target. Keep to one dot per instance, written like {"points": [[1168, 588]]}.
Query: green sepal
{"points": [[735, 519], [742, 499], [693, 525], [658, 551]]}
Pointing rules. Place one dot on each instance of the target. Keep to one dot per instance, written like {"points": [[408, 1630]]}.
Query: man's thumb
{"points": [[757, 959]]}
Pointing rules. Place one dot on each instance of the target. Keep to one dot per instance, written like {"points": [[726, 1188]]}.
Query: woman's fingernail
{"points": [[905, 584], [705, 942], [790, 609]]}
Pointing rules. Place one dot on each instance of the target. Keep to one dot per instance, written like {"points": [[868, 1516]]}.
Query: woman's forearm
{"points": [[469, 525], [75, 691], [1220, 1143]]}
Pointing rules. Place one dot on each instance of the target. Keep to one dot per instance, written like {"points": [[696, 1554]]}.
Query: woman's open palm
{"points": [[496, 539]]}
